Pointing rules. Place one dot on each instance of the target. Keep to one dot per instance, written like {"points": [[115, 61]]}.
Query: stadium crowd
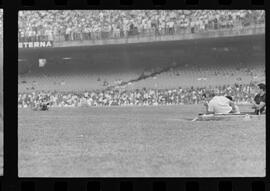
{"points": [[242, 94], [1, 25], [71, 25]]}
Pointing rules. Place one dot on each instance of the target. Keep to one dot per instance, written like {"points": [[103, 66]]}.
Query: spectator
{"points": [[110, 97], [72, 24]]}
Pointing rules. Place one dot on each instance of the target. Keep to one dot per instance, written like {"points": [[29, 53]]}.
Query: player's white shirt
{"points": [[219, 105]]}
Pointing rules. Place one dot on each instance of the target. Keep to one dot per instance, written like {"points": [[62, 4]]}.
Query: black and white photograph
{"points": [[1, 96], [141, 93]]}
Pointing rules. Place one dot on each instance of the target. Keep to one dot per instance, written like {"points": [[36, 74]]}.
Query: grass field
{"points": [[157, 141], [1, 153]]}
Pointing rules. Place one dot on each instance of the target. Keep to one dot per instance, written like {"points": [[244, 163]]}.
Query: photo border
{"points": [[10, 180]]}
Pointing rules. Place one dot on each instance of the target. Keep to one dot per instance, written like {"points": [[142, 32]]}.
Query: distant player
{"points": [[259, 100], [42, 104], [219, 104]]}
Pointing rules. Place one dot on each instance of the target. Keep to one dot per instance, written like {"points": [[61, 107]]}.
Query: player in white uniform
{"points": [[220, 104]]}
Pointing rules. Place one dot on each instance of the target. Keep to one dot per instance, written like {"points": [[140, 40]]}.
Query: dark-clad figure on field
{"points": [[259, 100]]}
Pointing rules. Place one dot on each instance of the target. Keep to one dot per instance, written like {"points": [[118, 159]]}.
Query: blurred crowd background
{"points": [[1, 64], [233, 65], [1, 26], [74, 25], [241, 93]]}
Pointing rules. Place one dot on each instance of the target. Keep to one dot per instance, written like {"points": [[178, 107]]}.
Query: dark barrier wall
{"points": [[217, 52], [1, 84]]}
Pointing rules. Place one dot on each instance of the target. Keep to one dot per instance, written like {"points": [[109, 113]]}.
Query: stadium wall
{"points": [[252, 30], [224, 51]]}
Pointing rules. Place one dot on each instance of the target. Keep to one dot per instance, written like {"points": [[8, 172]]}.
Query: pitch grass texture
{"points": [[158, 141]]}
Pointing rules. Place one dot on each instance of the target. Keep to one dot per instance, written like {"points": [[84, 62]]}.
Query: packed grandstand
{"points": [[227, 64], [141, 97], [1, 61], [69, 25], [1, 26]]}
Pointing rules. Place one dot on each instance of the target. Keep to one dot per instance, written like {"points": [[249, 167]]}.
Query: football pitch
{"points": [[139, 141]]}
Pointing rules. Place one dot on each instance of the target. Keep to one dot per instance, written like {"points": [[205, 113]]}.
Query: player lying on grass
{"points": [[259, 101], [219, 104], [42, 105]]}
